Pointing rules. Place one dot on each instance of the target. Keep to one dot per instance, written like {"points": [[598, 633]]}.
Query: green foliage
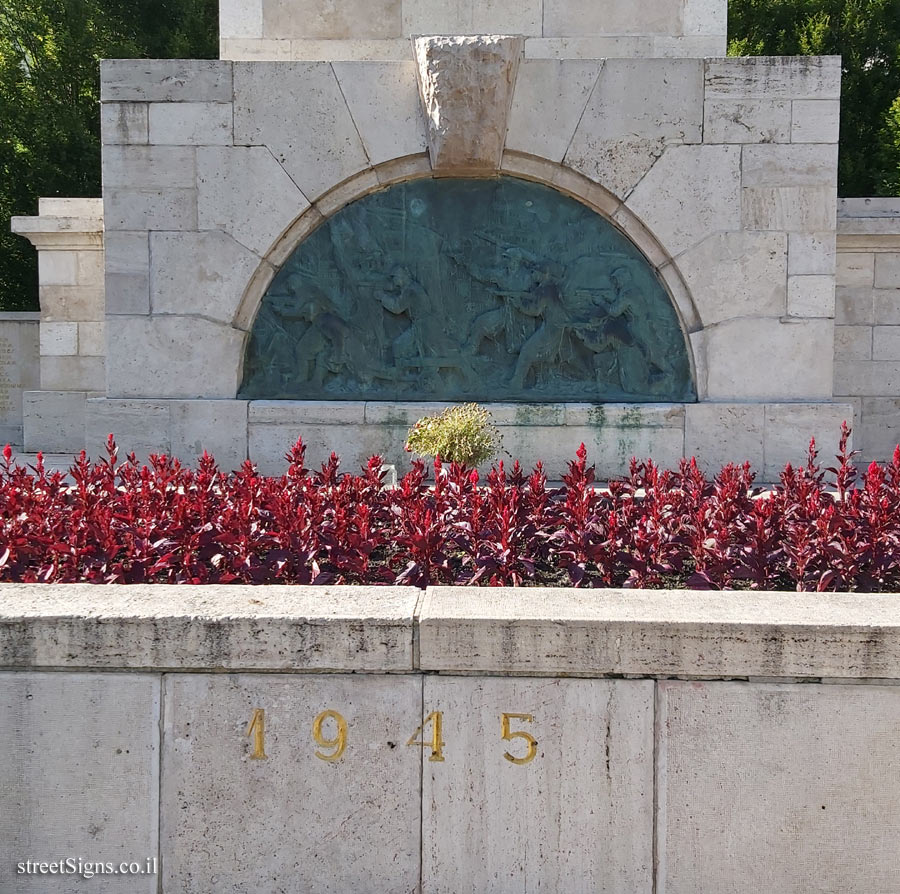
{"points": [[50, 52], [462, 434], [867, 34]]}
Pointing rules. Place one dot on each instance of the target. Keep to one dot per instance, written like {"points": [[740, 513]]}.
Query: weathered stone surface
{"points": [[124, 122], [867, 378], [549, 100], [466, 86], [191, 123], [620, 137], [879, 427], [737, 274], [383, 98], [298, 111], [582, 17], [216, 426], [353, 823], [199, 274], [886, 306], [798, 359], [166, 80], [706, 17], [795, 209], [887, 270], [593, 768], [159, 626], [472, 17], [852, 343], [886, 343], [810, 768], [139, 426], [551, 632], [331, 21], [789, 428], [774, 77], [747, 121], [691, 192], [352, 50], [148, 167], [260, 50], [150, 209], [71, 303], [240, 18], [80, 779], [854, 306], [855, 269], [624, 47], [127, 272], [59, 339], [169, 356], [246, 193], [73, 373], [610, 445], [719, 433], [811, 253], [269, 442], [53, 421], [795, 165], [317, 412], [92, 339], [810, 296], [612, 433], [19, 369], [815, 121]]}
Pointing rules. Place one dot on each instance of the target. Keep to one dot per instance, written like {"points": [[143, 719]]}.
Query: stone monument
{"points": [[580, 214]]}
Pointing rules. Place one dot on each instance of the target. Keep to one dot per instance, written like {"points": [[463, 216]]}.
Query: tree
{"points": [[50, 52], [867, 34]]}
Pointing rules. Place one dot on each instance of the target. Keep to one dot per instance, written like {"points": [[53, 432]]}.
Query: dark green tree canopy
{"points": [[867, 34], [50, 52]]}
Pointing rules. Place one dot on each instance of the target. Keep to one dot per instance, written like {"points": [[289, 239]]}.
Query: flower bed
{"points": [[165, 523]]}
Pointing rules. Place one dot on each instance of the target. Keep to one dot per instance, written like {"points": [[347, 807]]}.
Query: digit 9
{"points": [[338, 743]]}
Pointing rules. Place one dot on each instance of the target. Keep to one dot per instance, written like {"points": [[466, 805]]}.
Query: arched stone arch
{"points": [[518, 165]]}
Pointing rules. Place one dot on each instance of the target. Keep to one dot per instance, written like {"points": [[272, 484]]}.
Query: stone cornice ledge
{"points": [[214, 628], [455, 630], [678, 633]]}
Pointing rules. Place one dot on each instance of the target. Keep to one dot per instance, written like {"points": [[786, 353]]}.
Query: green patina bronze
{"points": [[464, 289]]}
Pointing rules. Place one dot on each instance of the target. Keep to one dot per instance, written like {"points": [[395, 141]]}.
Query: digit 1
{"points": [[257, 729], [436, 719]]}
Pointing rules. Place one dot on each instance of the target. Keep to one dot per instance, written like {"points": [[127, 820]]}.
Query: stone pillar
{"points": [[68, 234], [19, 370]]}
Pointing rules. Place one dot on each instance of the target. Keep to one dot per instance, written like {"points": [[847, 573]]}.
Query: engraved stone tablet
{"points": [[545, 785], [290, 783], [467, 289]]}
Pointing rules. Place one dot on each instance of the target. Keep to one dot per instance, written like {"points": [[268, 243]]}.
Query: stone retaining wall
{"points": [[255, 739]]}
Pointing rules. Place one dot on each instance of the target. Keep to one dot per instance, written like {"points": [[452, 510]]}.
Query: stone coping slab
{"points": [[456, 630], [159, 627], [660, 633]]}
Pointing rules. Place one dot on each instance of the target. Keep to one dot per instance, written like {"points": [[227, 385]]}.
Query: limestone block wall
{"points": [[722, 171], [379, 30], [19, 370], [377, 739], [867, 330], [68, 234]]}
